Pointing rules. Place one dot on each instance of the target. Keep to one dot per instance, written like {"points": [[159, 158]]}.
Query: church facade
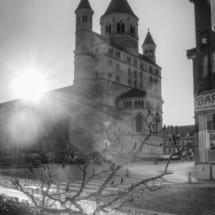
{"points": [[113, 82], [111, 77]]}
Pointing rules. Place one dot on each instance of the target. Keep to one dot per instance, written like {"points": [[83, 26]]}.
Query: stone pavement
{"points": [[176, 196]]}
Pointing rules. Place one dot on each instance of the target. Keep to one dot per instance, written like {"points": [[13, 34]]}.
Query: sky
{"points": [[39, 35]]}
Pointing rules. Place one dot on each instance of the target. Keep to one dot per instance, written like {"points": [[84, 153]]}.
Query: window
{"points": [[108, 28], [84, 18], [110, 62], [120, 27], [211, 129], [139, 123], [128, 59], [132, 30], [146, 52], [117, 77], [150, 69], [151, 52], [117, 66], [142, 104], [129, 81], [146, 67], [79, 19], [109, 74], [129, 72], [141, 75], [156, 72], [135, 104], [128, 105], [135, 73], [147, 104], [110, 51], [96, 74], [141, 66], [135, 62], [118, 54], [135, 83]]}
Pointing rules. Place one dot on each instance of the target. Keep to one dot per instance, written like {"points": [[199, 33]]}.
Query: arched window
{"points": [[142, 106], [146, 52], [139, 123], [109, 28], [106, 29], [132, 30], [120, 27], [84, 18]]}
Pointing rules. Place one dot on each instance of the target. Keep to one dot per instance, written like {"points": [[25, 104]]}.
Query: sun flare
{"points": [[29, 86]]}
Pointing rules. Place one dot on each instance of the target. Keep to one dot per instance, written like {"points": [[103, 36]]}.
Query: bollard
{"points": [[155, 160], [189, 178]]}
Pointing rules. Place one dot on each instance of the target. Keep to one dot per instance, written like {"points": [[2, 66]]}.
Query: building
{"points": [[113, 82], [187, 135], [204, 87]]}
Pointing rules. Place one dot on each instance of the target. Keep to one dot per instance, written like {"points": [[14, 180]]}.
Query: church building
{"points": [[111, 78], [113, 82]]}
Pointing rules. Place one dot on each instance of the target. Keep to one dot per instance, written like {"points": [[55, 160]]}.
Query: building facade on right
{"points": [[203, 57]]}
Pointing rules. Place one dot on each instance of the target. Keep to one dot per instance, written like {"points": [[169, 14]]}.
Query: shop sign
{"points": [[205, 102]]}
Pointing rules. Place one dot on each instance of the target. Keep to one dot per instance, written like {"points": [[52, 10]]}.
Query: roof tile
{"points": [[119, 6]]}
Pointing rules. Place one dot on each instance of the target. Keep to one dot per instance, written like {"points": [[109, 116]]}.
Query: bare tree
{"points": [[108, 137]]}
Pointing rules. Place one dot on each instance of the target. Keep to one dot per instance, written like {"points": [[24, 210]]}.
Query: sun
{"points": [[29, 86]]}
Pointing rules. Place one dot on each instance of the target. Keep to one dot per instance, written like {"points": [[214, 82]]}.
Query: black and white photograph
{"points": [[107, 107]]}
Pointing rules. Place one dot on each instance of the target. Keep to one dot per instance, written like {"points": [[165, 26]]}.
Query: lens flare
{"points": [[29, 86]]}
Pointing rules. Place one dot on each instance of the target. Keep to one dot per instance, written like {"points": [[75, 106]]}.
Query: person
{"points": [[192, 155], [183, 156]]}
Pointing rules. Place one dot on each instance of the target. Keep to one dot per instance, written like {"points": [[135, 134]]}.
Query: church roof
{"points": [[119, 6], [149, 39], [84, 4], [136, 93], [108, 41]]}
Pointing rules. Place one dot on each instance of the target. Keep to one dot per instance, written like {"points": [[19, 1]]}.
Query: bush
{"points": [[11, 205]]}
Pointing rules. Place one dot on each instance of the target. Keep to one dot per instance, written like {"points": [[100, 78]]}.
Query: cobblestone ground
{"points": [[180, 199], [177, 198]]}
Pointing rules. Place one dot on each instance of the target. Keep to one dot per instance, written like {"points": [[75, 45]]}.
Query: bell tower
{"points": [[120, 24], [149, 47], [84, 16]]}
